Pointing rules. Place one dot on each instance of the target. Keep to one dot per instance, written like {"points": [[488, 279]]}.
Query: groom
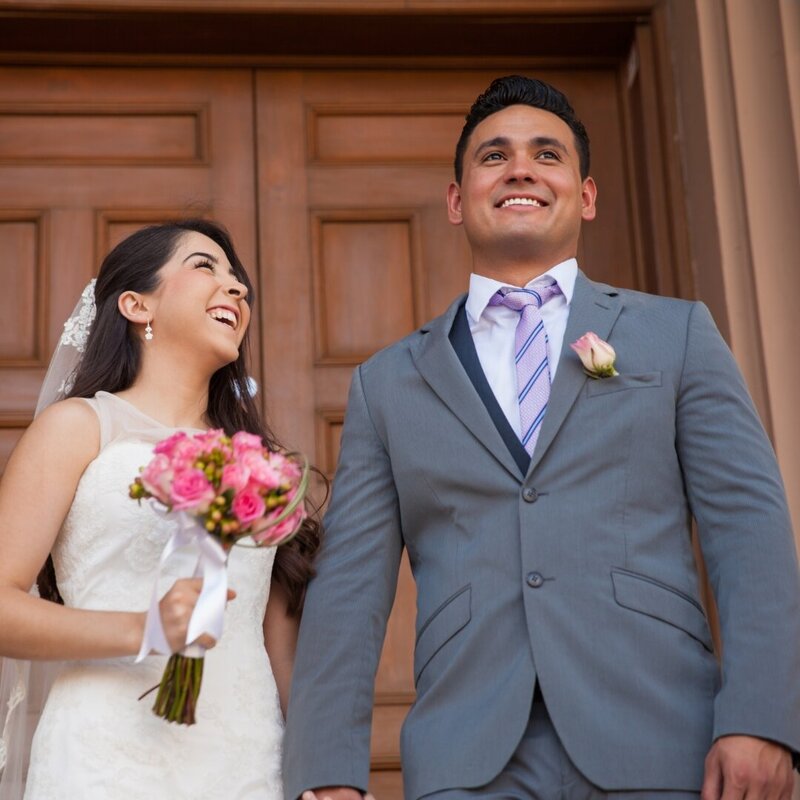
{"points": [[562, 650]]}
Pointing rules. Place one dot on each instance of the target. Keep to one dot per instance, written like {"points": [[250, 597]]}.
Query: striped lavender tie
{"points": [[533, 371]]}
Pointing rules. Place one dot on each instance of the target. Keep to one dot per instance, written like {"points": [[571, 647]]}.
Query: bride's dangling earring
{"points": [[148, 332]]}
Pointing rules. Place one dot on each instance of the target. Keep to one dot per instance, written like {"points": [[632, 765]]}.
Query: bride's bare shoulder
{"points": [[73, 411], [70, 426]]}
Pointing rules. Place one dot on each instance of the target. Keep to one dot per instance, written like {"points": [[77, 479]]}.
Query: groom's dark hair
{"points": [[516, 90]]}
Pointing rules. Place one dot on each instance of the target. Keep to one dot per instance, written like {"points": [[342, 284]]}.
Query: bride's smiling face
{"points": [[200, 300]]}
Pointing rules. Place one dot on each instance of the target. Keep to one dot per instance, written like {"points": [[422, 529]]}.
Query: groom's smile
{"points": [[519, 201]]}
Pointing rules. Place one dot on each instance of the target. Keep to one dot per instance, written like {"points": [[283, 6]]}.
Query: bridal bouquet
{"points": [[220, 489]]}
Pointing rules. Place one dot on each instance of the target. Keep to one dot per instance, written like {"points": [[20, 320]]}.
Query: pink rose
{"points": [[157, 476], [596, 356], [262, 473], [244, 442], [248, 506], [185, 453], [191, 491], [289, 470], [167, 446], [284, 530], [234, 476], [214, 439]]}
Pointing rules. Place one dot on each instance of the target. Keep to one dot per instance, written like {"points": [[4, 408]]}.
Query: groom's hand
{"points": [[739, 766]]}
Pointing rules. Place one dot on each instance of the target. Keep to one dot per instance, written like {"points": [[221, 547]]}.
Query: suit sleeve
{"points": [[737, 498], [327, 738]]}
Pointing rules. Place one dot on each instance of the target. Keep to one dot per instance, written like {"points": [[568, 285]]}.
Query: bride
{"points": [[165, 352]]}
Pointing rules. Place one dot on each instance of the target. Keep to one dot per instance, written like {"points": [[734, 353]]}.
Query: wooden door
{"points": [[356, 252], [87, 156], [353, 248]]}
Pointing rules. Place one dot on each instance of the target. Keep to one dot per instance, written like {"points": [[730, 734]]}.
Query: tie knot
{"points": [[518, 299]]}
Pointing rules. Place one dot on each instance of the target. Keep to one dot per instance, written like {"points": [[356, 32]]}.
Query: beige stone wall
{"points": [[750, 65]]}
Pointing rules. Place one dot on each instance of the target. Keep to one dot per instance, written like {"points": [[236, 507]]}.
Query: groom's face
{"points": [[521, 192]]}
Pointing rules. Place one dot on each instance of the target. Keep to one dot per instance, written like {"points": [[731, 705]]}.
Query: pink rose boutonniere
{"points": [[597, 356]]}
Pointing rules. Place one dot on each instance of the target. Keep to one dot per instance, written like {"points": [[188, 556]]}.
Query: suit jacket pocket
{"points": [[645, 380], [442, 626], [663, 602]]}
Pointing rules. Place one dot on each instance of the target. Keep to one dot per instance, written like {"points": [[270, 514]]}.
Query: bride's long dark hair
{"points": [[113, 355]]}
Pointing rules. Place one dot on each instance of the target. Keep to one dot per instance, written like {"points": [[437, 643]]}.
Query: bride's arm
{"points": [[35, 495], [280, 638]]}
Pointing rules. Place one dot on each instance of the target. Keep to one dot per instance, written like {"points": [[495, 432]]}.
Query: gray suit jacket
{"points": [[578, 575]]}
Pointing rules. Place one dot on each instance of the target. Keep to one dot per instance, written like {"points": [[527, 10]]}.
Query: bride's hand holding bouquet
{"points": [[221, 489]]}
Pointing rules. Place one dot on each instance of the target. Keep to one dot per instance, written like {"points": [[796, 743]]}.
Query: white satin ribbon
{"points": [[209, 612]]}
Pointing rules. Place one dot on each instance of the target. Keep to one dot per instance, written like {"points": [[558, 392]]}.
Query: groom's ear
{"points": [[134, 307], [454, 213]]}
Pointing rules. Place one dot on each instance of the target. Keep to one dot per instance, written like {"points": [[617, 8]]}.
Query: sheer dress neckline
{"points": [[131, 407]]}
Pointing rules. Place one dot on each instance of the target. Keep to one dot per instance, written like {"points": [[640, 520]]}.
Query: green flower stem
{"points": [[179, 690]]}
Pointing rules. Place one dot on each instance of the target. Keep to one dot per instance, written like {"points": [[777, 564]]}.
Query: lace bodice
{"points": [[105, 558]]}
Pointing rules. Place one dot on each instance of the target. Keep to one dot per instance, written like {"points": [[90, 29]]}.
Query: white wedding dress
{"points": [[95, 740]]}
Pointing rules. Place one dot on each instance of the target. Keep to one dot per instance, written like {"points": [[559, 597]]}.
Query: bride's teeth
{"points": [[222, 314]]}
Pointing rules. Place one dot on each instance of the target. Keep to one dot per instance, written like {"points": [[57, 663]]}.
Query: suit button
{"points": [[534, 580], [529, 494]]}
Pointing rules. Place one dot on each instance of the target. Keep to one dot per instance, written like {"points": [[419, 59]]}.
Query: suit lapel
{"points": [[464, 345], [437, 362], [594, 307]]}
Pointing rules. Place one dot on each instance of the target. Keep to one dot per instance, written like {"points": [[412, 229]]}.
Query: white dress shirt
{"points": [[494, 328]]}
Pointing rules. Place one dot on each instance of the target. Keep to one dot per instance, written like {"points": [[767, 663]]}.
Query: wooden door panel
{"points": [[88, 156], [367, 259], [20, 267], [356, 252], [380, 135], [99, 137]]}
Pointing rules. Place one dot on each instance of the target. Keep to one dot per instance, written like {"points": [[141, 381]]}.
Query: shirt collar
{"points": [[482, 288]]}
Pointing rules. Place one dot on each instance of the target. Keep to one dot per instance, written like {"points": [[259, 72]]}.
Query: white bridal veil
{"points": [[24, 684]]}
